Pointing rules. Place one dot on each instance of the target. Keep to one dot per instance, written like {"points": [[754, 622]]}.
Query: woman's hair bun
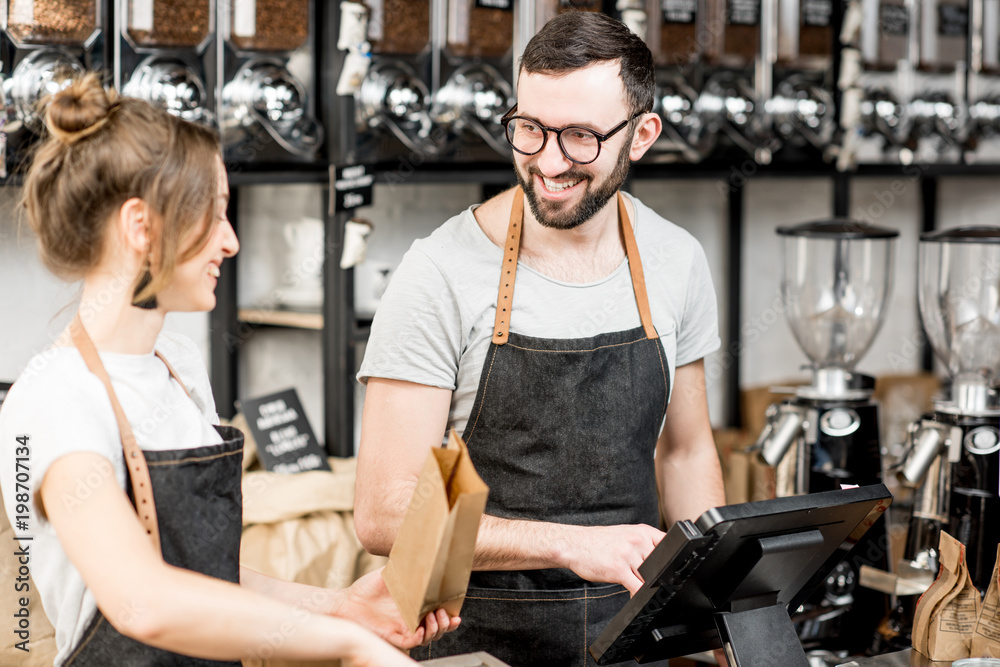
{"points": [[78, 110]]}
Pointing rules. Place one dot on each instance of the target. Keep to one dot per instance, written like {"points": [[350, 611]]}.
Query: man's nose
{"points": [[551, 161]]}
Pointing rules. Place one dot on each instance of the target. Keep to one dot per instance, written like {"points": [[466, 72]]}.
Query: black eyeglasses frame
{"points": [[601, 138]]}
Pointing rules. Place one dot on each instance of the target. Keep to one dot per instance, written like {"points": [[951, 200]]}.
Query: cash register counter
{"points": [[910, 658]]}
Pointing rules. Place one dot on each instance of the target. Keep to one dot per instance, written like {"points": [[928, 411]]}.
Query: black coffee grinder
{"points": [[954, 452], [837, 276]]}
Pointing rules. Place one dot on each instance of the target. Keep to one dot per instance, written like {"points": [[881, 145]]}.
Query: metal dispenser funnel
{"points": [[953, 458], [960, 308], [837, 275]]}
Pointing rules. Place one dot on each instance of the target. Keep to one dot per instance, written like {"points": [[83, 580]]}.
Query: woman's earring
{"points": [[144, 279]]}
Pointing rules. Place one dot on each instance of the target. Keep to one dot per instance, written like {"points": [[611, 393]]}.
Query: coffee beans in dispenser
{"points": [[805, 34], [480, 28], [166, 55], [738, 41], [44, 44], [399, 27], [175, 24], [678, 34], [268, 98]]}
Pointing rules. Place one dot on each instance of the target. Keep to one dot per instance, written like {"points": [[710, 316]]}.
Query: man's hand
{"points": [[368, 602], [609, 554]]}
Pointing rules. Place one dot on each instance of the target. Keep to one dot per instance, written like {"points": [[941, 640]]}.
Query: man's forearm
{"points": [[609, 554], [690, 484], [513, 544]]}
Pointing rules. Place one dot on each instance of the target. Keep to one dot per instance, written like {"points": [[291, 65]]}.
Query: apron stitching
{"points": [[194, 459], [593, 349], [666, 384], [585, 597], [86, 640], [585, 625], [482, 402]]}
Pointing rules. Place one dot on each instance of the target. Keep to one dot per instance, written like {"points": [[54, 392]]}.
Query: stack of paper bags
{"points": [[947, 613], [986, 639]]}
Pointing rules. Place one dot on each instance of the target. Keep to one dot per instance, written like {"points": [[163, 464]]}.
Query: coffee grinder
{"points": [[837, 275], [954, 452]]}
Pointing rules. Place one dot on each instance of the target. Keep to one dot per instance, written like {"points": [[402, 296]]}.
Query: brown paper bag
{"points": [[986, 639], [431, 559], [946, 613]]}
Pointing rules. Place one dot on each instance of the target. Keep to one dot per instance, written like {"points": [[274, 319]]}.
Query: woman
{"points": [[133, 201]]}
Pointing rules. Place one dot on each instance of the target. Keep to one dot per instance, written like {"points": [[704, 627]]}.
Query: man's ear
{"points": [[134, 226], [648, 129]]}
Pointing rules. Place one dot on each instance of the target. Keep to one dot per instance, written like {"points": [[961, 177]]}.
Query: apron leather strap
{"points": [[635, 268], [173, 374], [142, 489], [512, 245]]}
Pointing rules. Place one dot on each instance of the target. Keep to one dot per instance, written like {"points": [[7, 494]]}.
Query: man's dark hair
{"points": [[577, 39]]}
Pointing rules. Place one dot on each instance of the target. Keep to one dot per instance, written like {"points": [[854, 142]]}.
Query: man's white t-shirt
{"points": [[435, 322]]}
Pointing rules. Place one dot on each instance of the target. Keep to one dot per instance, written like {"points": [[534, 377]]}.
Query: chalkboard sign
{"points": [[285, 440]]}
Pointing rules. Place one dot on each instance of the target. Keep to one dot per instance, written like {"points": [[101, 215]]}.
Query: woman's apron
{"points": [[562, 430], [196, 521]]}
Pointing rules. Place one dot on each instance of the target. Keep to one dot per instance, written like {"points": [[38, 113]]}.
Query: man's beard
{"points": [[551, 215]]}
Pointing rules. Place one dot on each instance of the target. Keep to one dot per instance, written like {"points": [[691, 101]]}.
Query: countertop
{"points": [[907, 658]]}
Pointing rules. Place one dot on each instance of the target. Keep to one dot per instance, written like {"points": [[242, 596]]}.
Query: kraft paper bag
{"points": [[986, 639], [946, 613], [431, 559]]}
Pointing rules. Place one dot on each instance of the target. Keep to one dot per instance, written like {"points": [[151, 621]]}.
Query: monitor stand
{"points": [[760, 635]]}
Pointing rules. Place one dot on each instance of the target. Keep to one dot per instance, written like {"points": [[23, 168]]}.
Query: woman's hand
{"points": [[371, 651], [368, 602]]}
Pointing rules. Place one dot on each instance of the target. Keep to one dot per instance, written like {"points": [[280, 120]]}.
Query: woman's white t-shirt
{"points": [[62, 408]]}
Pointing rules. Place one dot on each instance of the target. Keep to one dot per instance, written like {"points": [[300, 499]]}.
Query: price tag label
{"points": [[352, 186]]}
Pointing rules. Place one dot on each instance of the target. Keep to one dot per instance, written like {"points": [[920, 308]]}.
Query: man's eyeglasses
{"points": [[581, 145]]}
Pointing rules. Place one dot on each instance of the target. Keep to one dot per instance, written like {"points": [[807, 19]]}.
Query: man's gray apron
{"points": [[199, 508], [562, 430]]}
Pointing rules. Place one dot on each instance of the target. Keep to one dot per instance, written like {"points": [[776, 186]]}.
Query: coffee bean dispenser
{"points": [[44, 43], [888, 50], [393, 102], [738, 37], [938, 110], [474, 93], [983, 144], [166, 54], [469, 106], [802, 111], [677, 44], [268, 100]]}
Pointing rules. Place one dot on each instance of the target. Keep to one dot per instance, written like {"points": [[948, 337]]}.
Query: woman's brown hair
{"points": [[99, 152]]}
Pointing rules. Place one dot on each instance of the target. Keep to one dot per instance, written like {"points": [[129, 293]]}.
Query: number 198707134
{"points": [[22, 477]]}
